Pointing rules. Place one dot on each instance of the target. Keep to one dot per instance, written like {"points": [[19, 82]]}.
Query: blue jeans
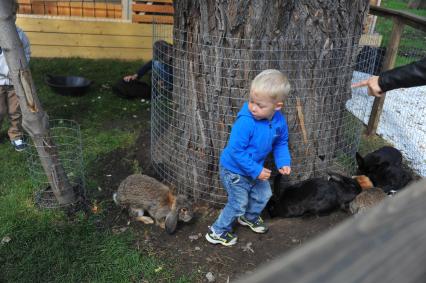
{"points": [[163, 72], [245, 197]]}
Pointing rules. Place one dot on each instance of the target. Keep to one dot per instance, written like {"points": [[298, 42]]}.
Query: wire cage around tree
{"points": [[67, 139], [197, 95]]}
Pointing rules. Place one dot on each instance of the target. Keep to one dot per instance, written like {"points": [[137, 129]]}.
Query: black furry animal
{"points": [[314, 196], [384, 168], [384, 155], [390, 177]]}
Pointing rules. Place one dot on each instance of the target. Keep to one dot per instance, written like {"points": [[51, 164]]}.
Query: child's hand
{"points": [[285, 170], [265, 174]]}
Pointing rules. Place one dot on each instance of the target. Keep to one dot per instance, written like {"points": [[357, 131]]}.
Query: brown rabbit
{"points": [[366, 199], [142, 193]]}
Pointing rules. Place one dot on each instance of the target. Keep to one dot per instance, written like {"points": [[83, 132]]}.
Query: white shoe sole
{"points": [[253, 229], [214, 241]]}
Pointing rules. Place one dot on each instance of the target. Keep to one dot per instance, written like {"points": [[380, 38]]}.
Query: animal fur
{"points": [[141, 193], [384, 155], [314, 196], [384, 168], [364, 182], [390, 177], [366, 199]]}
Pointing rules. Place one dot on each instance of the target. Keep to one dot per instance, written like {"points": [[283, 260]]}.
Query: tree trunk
{"points": [[220, 46], [34, 119]]}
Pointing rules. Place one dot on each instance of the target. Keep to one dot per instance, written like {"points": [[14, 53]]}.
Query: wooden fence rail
{"points": [[138, 11], [87, 38], [159, 11], [386, 244], [71, 8]]}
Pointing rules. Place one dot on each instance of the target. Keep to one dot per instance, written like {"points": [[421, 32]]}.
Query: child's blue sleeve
{"points": [[280, 148], [25, 44], [242, 130]]}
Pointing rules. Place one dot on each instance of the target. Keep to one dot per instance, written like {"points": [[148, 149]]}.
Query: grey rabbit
{"points": [[366, 199], [142, 193]]}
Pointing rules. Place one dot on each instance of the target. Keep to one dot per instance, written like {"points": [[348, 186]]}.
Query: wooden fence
{"points": [[385, 244], [139, 11], [87, 38], [82, 8], [400, 19], [159, 11]]}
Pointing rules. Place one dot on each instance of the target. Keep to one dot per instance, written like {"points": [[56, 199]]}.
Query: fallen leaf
{"points": [[95, 208], [210, 277], [119, 230], [5, 240], [247, 247], [193, 237]]}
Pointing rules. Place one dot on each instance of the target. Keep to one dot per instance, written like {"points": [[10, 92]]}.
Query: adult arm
{"points": [[410, 75], [144, 69]]}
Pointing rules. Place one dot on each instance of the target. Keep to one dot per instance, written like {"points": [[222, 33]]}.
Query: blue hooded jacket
{"points": [[252, 140]]}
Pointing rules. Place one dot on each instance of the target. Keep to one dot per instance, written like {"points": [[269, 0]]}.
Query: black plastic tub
{"points": [[68, 85]]}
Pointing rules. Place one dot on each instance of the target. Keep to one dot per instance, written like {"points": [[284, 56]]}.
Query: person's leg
{"points": [[15, 116], [237, 188], [164, 74], [259, 196], [3, 103]]}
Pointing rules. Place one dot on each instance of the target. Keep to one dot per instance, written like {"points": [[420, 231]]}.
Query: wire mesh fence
{"points": [[403, 120], [67, 139], [193, 110]]}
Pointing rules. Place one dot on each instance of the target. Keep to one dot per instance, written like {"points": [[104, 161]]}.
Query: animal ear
{"points": [[171, 221], [359, 160]]}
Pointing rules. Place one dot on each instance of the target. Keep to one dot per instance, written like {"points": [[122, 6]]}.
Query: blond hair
{"points": [[272, 83]]}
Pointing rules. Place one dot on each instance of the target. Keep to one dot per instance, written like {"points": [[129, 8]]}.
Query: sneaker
{"points": [[19, 144], [226, 238], [257, 226]]}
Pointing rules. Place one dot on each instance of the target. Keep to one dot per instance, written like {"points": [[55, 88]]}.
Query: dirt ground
{"points": [[187, 249]]}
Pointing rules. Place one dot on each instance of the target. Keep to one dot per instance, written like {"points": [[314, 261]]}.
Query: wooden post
{"points": [[389, 62], [126, 8]]}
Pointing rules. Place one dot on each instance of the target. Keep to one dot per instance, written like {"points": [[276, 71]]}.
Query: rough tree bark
{"points": [[221, 45], [34, 118]]}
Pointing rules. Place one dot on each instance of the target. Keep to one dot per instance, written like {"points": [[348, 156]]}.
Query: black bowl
{"points": [[68, 85]]}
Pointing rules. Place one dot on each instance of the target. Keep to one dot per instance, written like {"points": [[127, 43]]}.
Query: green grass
{"points": [[46, 245], [402, 6], [412, 40]]}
